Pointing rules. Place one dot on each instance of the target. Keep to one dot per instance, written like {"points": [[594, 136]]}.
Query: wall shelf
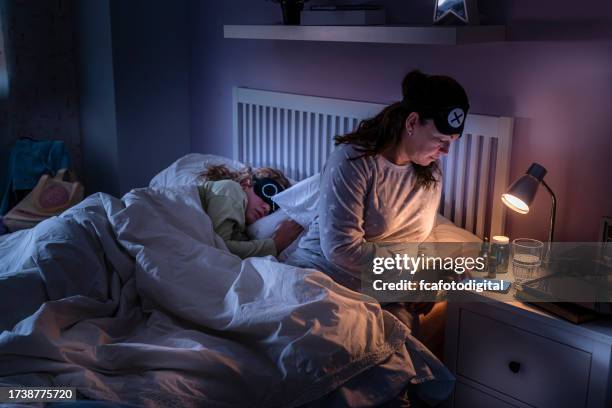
{"points": [[429, 35]]}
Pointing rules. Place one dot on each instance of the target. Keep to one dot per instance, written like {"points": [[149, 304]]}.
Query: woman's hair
{"points": [[421, 94], [222, 172]]}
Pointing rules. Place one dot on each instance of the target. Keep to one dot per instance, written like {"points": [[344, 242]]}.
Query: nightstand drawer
{"points": [[468, 397], [528, 367]]}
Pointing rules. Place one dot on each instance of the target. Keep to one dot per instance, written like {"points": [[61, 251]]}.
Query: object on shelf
{"points": [[346, 15], [347, 7], [456, 12], [291, 10]]}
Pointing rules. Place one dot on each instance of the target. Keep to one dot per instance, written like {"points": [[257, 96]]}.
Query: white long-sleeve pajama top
{"points": [[368, 207]]}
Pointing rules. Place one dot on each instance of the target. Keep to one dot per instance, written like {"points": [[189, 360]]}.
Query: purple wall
{"points": [[554, 76]]}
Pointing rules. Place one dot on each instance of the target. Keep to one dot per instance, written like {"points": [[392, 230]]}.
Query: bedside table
{"points": [[507, 354]]}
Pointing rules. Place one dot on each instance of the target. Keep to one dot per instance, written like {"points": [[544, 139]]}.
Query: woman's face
{"points": [[256, 207], [423, 143]]}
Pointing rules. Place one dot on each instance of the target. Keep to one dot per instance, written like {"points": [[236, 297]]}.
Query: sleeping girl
{"points": [[235, 199]]}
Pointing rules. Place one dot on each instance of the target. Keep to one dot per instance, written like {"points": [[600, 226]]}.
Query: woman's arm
{"points": [[344, 186]]}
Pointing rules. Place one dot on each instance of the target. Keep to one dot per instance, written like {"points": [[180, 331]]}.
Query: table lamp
{"points": [[521, 193]]}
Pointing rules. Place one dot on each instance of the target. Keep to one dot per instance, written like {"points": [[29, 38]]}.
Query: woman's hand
{"points": [[420, 307], [285, 234]]}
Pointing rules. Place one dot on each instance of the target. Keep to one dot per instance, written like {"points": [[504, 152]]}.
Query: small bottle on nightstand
{"points": [[484, 253], [492, 263], [500, 247]]}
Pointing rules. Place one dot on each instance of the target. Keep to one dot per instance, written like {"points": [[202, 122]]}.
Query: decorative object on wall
{"points": [[521, 194], [291, 10], [454, 12]]}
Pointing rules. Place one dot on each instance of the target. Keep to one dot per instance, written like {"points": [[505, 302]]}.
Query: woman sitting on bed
{"points": [[234, 200], [382, 184]]}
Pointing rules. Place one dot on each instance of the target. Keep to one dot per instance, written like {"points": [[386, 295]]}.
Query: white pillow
{"points": [[264, 227], [301, 200], [445, 231], [186, 170]]}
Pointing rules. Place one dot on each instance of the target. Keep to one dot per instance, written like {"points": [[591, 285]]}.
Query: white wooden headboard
{"points": [[295, 133]]}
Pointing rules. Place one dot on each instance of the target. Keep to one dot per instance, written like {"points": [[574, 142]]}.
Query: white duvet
{"points": [[137, 300]]}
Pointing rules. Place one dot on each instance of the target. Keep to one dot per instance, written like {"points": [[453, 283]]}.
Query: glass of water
{"points": [[526, 260]]}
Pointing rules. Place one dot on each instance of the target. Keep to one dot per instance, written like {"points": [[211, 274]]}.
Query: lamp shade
{"points": [[521, 193]]}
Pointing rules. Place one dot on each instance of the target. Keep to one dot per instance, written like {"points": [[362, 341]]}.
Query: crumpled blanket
{"points": [[138, 301]]}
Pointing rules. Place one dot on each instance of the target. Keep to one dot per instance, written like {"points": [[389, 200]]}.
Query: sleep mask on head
{"points": [[450, 120], [266, 188]]}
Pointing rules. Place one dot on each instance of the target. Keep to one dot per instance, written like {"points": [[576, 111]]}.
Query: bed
{"points": [[137, 301]]}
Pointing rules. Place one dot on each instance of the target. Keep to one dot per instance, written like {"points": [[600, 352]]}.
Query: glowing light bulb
{"points": [[515, 203]]}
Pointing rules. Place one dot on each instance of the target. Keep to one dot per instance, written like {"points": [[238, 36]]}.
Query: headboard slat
{"points": [[482, 185], [472, 175], [460, 180]]}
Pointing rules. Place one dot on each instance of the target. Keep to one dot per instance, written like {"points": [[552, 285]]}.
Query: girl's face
{"points": [[423, 143], [256, 207]]}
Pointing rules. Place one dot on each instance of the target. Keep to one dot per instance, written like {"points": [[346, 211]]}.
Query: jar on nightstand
{"points": [[500, 252]]}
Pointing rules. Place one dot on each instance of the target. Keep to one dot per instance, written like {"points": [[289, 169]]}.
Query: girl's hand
{"points": [[285, 234]]}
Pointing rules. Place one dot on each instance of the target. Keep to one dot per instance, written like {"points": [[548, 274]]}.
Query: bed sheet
{"points": [[138, 301], [445, 231]]}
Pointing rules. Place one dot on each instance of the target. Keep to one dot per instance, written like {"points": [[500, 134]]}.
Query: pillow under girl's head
{"points": [[264, 227], [301, 200], [187, 169]]}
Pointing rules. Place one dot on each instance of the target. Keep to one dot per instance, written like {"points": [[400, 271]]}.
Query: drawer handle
{"points": [[514, 366]]}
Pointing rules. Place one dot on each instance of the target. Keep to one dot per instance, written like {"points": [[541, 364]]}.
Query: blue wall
{"points": [[151, 56], [97, 97], [42, 100], [134, 68]]}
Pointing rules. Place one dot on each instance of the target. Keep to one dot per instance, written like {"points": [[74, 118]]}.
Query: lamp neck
{"points": [[553, 215]]}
